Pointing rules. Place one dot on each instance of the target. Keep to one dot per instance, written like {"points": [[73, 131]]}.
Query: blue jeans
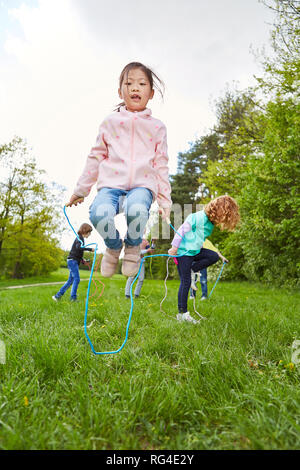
{"points": [[110, 202], [203, 283], [74, 280], [139, 282]]}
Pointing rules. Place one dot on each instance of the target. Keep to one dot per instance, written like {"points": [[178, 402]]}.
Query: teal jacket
{"points": [[194, 239]]}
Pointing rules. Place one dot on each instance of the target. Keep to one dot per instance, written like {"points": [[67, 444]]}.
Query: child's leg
{"points": [[140, 281], [128, 285], [76, 277], [102, 212], [136, 207], [204, 259], [203, 282], [66, 286], [184, 270]]}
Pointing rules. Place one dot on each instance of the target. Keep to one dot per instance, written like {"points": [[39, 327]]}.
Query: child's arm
{"points": [[183, 229], [90, 172], [162, 171], [222, 257]]}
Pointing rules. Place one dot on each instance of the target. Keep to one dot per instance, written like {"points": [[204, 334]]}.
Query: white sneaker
{"points": [[179, 317], [187, 317], [54, 298], [203, 298], [191, 297]]}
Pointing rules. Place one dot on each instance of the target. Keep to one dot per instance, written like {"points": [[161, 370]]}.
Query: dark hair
{"points": [[154, 80], [84, 228]]}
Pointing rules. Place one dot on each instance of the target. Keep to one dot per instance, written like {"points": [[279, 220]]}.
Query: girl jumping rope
{"points": [[188, 241], [129, 163]]}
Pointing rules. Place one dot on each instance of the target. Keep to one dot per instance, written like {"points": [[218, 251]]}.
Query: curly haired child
{"points": [[222, 212]]}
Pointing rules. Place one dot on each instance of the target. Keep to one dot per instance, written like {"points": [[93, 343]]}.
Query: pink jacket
{"points": [[130, 152]]}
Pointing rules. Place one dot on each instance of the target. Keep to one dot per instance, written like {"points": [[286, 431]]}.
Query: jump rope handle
{"points": [[164, 216], [168, 221]]}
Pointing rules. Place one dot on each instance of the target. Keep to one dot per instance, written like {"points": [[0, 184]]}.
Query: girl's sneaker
{"points": [[186, 317], [109, 262], [179, 316]]}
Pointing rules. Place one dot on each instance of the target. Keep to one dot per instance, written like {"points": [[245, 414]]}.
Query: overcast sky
{"points": [[60, 61]]}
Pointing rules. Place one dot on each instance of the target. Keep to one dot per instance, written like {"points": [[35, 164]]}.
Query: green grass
{"points": [[226, 383], [58, 276]]}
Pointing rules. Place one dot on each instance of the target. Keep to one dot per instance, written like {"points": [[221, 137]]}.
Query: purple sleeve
{"points": [[183, 229]]}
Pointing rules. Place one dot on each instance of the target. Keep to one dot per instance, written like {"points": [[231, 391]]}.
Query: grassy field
{"points": [[57, 276], [226, 383]]}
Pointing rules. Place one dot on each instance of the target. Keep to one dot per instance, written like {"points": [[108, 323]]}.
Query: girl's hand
{"points": [[165, 213], [172, 251], [223, 258], [74, 200]]}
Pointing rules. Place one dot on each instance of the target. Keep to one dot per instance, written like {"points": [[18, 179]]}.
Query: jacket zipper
{"points": [[132, 153]]}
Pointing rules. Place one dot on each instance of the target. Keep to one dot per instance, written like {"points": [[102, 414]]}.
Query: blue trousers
{"points": [[74, 280], [187, 263], [110, 202], [139, 283], [203, 283]]}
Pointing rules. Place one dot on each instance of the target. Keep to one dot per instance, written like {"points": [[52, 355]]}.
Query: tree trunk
{"points": [[17, 274]]}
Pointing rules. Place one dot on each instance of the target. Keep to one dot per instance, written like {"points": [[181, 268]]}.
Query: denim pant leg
{"points": [[184, 269], [102, 212], [204, 259], [66, 286], [136, 206], [203, 282], [140, 280], [75, 272], [129, 281]]}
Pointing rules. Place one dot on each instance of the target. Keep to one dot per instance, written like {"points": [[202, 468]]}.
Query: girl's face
{"points": [[136, 90], [86, 235]]}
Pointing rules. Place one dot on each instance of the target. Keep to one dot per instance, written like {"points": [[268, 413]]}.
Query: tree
{"points": [[282, 72], [270, 199], [29, 221]]}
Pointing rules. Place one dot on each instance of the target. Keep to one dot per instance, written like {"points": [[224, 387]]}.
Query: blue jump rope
{"points": [[131, 298]]}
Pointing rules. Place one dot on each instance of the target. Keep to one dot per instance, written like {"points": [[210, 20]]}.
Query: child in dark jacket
{"points": [[74, 259]]}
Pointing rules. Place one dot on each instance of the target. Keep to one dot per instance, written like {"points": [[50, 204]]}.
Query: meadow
{"points": [[226, 383]]}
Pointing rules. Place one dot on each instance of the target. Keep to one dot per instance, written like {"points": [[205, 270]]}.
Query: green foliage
{"points": [[29, 220], [252, 153], [33, 252], [271, 200]]}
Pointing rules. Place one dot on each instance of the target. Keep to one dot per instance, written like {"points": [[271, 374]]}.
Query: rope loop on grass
{"points": [[131, 298]]}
